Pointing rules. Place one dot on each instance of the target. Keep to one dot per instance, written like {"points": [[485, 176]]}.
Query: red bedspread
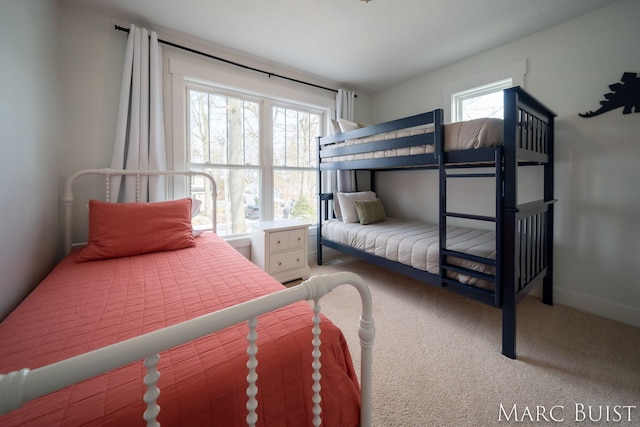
{"points": [[84, 306]]}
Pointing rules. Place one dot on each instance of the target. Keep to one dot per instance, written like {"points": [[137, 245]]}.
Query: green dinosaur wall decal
{"points": [[625, 94]]}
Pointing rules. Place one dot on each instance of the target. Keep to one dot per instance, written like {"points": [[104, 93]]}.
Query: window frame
{"points": [[212, 77], [322, 131], [458, 98], [515, 71]]}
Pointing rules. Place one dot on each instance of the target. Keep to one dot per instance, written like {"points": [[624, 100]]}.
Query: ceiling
{"points": [[365, 46]]}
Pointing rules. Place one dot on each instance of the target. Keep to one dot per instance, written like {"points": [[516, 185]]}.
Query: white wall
{"points": [[569, 68], [30, 141]]}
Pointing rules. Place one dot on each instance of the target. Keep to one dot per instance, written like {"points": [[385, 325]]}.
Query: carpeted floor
{"points": [[437, 359]]}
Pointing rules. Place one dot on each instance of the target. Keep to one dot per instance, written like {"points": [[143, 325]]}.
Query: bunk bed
{"points": [[148, 322], [496, 260]]}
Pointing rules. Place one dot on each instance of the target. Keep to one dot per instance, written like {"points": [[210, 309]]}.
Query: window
{"points": [[262, 155], [294, 163], [480, 94], [478, 102]]}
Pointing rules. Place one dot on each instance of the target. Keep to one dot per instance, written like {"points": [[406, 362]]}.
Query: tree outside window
{"points": [[226, 140]]}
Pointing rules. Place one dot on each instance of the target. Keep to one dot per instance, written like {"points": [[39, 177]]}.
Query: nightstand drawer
{"points": [[282, 240], [278, 241], [287, 261], [297, 237]]}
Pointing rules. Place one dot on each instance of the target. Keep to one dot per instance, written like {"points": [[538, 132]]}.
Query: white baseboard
{"points": [[610, 310]]}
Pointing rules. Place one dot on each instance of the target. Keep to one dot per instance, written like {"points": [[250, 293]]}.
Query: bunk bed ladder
{"points": [[488, 297]]}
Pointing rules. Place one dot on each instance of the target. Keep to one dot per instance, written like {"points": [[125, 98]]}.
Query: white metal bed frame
{"points": [[18, 387], [67, 198]]}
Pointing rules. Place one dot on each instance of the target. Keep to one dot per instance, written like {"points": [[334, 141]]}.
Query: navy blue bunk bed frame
{"points": [[524, 232]]}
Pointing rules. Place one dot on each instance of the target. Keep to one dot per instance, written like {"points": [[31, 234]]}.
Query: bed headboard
{"points": [[108, 173]]}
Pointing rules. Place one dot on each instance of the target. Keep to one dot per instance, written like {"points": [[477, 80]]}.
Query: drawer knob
{"points": [[299, 239], [278, 241], [280, 263], [298, 260]]}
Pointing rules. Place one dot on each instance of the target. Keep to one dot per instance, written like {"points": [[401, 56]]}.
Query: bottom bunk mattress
{"points": [[417, 244], [85, 306]]}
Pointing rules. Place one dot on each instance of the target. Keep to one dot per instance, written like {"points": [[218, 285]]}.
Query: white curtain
{"points": [[140, 142], [345, 99]]}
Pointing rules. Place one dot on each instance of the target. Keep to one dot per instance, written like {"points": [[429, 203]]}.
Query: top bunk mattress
{"points": [[466, 135], [416, 244], [84, 306]]}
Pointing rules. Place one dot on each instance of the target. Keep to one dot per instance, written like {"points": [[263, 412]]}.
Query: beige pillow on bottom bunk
{"points": [[336, 206], [347, 206]]}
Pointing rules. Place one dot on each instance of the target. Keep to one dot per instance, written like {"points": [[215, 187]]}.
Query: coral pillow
{"points": [[126, 229]]}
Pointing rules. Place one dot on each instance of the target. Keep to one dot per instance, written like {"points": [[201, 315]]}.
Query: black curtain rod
{"points": [[246, 67]]}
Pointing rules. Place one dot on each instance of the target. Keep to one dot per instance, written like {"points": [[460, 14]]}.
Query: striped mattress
{"points": [[416, 244]]}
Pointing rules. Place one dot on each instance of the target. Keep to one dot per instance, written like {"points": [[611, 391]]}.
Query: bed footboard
{"points": [[533, 244], [16, 388], [532, 260]]}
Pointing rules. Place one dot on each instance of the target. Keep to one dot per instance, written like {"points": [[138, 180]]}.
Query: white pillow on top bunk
{"points": [[335, 127], [347, 125], [347, 207]]}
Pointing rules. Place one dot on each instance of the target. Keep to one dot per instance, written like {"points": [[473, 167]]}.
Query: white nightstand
{"points": [[280, 248]]}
